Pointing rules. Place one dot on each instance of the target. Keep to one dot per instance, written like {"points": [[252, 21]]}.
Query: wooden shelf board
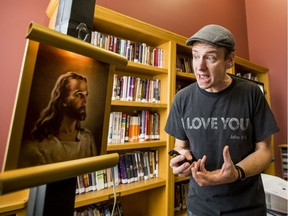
{"points": [[180, 179], [121, 190], [185, 75], [127, 27], [136, 145], [138, 68], [14, 201], [243, 65], [138, 104], [181, 213]]}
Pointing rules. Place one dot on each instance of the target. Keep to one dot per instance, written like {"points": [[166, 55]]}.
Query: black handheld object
{"points": [[173, 153]]}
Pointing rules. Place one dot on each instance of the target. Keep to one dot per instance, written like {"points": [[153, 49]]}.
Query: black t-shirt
{"points": [[239, 117]]}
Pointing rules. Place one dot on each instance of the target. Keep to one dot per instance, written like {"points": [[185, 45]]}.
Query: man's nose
{"points": [[201, 64]]}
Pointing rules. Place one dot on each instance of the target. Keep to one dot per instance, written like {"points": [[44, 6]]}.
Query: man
{"points": [[224, 125], [58, 135]]}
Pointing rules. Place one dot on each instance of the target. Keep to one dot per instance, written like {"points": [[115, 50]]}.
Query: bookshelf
{"points": [[154, 196], [284, 160], [14, 203]]}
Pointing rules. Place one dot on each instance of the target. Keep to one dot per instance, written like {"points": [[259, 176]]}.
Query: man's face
{"points": [[75, 103], [210, 66]]}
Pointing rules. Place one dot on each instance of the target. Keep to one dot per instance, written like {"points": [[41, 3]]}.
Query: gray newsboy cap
{"points": [[214, 35]]}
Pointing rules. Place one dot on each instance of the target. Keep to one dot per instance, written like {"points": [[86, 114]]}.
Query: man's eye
{"points": [[211, 58]]}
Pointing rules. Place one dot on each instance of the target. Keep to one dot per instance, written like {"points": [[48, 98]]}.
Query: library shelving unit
{"points": [[14, 203], [284, 160], [153, 196]]}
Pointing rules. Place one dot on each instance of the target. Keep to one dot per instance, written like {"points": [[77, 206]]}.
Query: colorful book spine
{"points": [[123, 127]]}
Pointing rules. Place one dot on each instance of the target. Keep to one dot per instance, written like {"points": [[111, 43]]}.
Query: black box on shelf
{"points": [[75, 18]]}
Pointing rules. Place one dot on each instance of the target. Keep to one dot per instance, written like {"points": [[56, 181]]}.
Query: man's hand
{"points": [[226, 174], [177, 166]]}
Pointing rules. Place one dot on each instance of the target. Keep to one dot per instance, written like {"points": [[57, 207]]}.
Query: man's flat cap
{"points": [[215, 35]]}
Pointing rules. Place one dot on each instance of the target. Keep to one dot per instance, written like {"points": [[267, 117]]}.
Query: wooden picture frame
{"points": [[44, 61]]}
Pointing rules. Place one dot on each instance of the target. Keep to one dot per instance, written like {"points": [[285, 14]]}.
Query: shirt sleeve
{"points": [[264, 122], [174, 125]]}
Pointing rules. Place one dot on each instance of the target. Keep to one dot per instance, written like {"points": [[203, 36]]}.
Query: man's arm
{"points": [[259, 160]]}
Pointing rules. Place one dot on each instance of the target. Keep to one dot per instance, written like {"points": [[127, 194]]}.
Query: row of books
{"points": [[182, 84], [284, 156], [141, 126], [248, 76], [181, 194], [129, 88], [132, 167], [101, 209], [97, 180], [132, 50], [138, 166], [184, 64]]}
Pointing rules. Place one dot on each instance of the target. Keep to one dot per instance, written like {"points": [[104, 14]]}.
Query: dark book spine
{"points": [[122, 169]]}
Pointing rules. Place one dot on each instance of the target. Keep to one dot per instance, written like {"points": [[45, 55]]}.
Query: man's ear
{"points": [[230, 60]]}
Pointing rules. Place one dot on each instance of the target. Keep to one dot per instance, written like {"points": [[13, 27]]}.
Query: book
{"points": [[115, 87], [116, 175], [123, 128], [156, 163], [122, 169], [126, 138], [142, 126], [105, 178], [134, 166], [94, 184], [146, 127], [116, 128], [134, 127], [129, 168], [80, 184], [151, 163], [146, 168], [139, 160], [100, 179], [184, 194], [86, 182], [110, 128], [177, 200], [157, 126]]}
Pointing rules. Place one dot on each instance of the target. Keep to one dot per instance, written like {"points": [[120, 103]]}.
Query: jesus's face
{"points": [[75, 103]]}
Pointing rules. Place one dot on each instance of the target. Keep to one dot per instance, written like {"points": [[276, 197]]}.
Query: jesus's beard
{"points": [[73, 112]]}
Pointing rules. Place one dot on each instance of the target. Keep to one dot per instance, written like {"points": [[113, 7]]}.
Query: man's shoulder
{"points": [[188, 89], [244, 83]]}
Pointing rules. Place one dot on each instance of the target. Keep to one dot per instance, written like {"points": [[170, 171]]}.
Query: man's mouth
{"points": [[203, 78]]}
